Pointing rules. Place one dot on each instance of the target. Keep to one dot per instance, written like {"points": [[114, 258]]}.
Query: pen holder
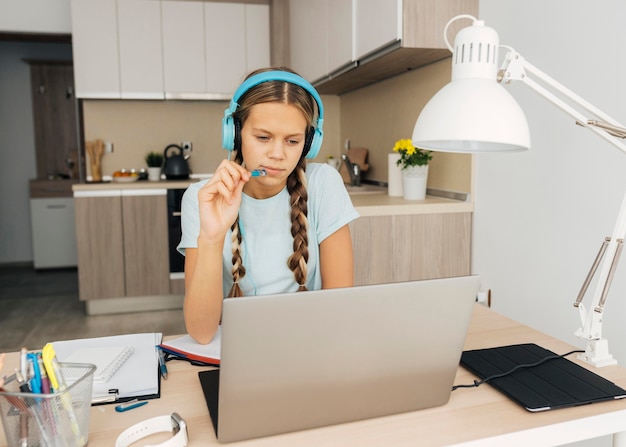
{"points": [[55, 419]]}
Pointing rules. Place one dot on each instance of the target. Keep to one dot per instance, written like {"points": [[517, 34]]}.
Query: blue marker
{"points": [[258, 173], [35, 381], [130, 405]]}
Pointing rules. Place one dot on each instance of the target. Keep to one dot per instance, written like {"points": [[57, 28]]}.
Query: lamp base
{"points": [[597, 353]]}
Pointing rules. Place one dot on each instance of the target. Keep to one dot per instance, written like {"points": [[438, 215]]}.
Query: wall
{"points": [[541, 215], [17, 146], [377, 116]]}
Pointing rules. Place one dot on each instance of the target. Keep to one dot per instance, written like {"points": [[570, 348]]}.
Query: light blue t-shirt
{"points": [[266, 232]]}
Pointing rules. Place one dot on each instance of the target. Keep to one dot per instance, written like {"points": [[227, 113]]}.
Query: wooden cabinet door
{"points": [[146, 253], [411, 247], [100, 247], [54, 118], [95, 48]]}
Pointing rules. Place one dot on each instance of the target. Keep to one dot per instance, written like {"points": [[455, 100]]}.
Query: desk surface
{"points": [[472, 417]]}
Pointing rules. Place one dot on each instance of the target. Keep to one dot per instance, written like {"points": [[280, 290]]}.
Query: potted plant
{"points": [[154, 160], [414, 164]]}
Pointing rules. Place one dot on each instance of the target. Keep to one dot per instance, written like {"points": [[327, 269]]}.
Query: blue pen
{"points": [[162, 365], [130, 405], [35, 381]]}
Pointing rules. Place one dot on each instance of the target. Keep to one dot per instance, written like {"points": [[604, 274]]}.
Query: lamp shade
{"points": [[473, 113]]}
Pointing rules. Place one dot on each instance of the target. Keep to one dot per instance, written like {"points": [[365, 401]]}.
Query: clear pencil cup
{"points": [[56, 419]]}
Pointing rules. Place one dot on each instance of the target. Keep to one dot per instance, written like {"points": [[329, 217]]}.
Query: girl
{"points": [[284, 231]]}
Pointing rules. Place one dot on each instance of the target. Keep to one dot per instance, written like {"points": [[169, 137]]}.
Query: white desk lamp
{"points": [[474, 113]]}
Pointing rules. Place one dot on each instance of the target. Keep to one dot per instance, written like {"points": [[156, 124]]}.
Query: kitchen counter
{"points": [[376, 204], [139, 184]]}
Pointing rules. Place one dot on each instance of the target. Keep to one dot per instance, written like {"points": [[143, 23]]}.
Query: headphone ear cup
{"points": [[308, 140], [228, 133], [316, 136], [237, 134]]}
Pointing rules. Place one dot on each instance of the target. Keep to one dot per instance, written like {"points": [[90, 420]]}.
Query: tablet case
{"points": [[557, 383], [210, 382]]}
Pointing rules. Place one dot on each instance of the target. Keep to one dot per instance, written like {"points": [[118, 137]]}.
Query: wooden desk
{"points": [[473, 417]]}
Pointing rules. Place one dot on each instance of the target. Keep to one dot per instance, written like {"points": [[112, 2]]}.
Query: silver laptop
{"points": [[302, 360]]}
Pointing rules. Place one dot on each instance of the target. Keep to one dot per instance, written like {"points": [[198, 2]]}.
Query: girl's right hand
{"points": [[220, 198]]}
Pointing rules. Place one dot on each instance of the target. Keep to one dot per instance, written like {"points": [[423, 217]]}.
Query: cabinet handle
{"points": [[55, 207], [177, 214]]}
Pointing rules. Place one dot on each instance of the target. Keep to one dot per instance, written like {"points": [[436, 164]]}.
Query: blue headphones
{"points": [[230, 129]]}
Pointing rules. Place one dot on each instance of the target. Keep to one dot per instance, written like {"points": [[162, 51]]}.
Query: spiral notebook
{"points": [[108, 359], [131, 376]]}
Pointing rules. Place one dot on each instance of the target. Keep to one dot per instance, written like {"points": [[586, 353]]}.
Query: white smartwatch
{"points": [[173, 423]]}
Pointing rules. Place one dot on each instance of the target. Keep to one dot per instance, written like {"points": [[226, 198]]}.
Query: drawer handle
{"points": [[177, 214], [53, 207]]}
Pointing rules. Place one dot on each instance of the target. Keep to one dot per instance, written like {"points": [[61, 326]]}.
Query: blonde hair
{"points": [[286, 93]]}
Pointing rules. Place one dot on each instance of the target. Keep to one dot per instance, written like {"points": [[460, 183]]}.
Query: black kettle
{"points": [[175, 166]]}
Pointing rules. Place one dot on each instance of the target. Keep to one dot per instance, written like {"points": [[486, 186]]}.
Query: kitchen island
{"points": [[123, 254]]}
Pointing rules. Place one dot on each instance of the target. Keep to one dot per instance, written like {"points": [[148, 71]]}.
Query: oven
{"points": [[177, 261]]}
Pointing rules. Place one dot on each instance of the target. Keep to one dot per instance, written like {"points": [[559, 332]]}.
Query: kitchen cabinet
{"points": [[95, 48], [53, 232], [221, 43], [378, 23], [320, 36], [183, 47], [122, 247], [52, 223], [389, 38], [172, 49], [140, 49], [397, 248]]}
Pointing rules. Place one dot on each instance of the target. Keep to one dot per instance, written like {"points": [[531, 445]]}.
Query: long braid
{"points": [[239, 271], [297, 262]]}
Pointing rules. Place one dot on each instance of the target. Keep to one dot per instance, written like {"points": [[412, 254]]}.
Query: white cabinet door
{"points": [[309, 38], [225, 47], [141, 53], [377, 24], [340, 35], [237, 42], [53, 232], [95, 48], [257, 36], [183, 48]]}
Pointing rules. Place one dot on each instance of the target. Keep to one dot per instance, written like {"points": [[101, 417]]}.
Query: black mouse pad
{"points": [[557, 383]]}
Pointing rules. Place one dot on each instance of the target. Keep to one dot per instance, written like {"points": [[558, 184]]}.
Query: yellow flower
{"points": [[410, 155]]}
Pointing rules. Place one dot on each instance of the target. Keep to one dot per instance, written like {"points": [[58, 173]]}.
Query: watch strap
{"points": [[149, 427]]}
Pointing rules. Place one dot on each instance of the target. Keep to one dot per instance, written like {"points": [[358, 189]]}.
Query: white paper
{"points": [[138, 376]]}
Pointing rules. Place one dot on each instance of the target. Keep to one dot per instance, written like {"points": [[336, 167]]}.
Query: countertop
{"points": [[370, 204]]}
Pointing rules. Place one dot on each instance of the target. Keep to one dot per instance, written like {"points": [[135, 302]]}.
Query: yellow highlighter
{"points": [[57, 382]]}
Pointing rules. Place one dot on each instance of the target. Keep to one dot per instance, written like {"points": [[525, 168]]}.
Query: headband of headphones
{"points": [[228, 123]]}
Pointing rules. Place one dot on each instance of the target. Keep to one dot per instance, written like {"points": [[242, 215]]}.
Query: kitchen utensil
{"points": [[175, 165], [95, 149]]}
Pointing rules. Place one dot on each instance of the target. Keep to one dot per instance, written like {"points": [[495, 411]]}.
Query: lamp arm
{"points": [[516, 68]]}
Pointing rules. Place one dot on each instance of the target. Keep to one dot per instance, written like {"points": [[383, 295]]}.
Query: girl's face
{"points": [[272, 138]]}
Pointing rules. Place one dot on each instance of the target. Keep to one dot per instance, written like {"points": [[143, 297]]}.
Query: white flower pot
{"points": [[414, 179], [154, 174]]}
